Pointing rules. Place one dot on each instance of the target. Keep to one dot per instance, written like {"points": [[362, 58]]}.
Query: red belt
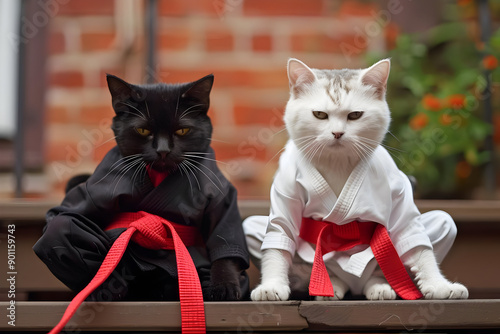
{"points": [[152, 232], [330, 237]]}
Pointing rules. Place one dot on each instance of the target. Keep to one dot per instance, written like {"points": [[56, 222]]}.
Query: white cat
{"points": [[334, 170]]}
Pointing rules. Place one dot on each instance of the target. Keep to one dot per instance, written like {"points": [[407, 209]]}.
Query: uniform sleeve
{"points": [[286, 210], [404, 225], [92, 199], [284, 222], [225, 237]]}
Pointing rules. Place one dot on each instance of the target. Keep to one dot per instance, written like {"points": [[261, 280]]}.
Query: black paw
{"points": [[223, 292]]}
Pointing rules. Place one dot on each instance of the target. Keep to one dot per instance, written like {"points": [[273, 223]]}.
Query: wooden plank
{"points": [[400, 315], [377, 316], [156, 316]]}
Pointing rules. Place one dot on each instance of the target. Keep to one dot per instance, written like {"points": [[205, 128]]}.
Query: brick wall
{"points": [[245, 44]]}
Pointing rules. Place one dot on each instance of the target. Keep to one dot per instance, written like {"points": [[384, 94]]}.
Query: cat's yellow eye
{"points": [[354, 115], [320, 114], [182, 131], [143, 131]]}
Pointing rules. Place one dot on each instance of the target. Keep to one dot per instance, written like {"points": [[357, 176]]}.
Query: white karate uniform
{"points": [[376, 191]]}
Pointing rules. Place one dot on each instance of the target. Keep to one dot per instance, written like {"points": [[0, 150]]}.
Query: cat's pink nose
{"points": [[337, 135], [163, 154]]}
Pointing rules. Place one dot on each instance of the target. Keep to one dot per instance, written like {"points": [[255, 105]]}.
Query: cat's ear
{"points": [[200, 90], [120, 90], [299, 75], [376, 76]]}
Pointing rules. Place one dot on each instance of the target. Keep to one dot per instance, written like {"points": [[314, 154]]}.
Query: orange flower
{"points": [[464, 2], [445, 119], [456, 101], [419, 121], [490, 62], [430, 102], [463, 169]]}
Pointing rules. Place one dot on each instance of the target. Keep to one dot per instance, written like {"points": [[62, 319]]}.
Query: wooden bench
{"points": [[41, 299], [251, 317]]}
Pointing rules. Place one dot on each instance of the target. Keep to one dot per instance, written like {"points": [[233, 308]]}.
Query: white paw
{"points": [[443, 290], [339, 290], [324, 298], [377, 288], [271, 291]]}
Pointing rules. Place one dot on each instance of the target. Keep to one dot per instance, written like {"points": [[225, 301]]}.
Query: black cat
{"points": [[162, 128]]}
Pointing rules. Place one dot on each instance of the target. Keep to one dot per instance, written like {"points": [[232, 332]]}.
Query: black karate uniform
{"points": [[74, 242]]}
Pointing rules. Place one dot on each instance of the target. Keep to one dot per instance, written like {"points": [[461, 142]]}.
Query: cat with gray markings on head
{"points": [[336, 170]]}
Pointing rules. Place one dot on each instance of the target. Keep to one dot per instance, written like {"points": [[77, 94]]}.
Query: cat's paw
{"points": [[223, 292], [340, 288], [271, 291], [443, 289], [377, 288]]}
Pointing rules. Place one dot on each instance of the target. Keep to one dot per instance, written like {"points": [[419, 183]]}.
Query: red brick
{"points": [[67, 79], [101, 149], [187, 7], [318, 42], [356, 8], [262, 43], [283, 8], [97, 41], [58, 151], [57, 42], [219, 40], [262, 78], [238, 149], [171, 75], [87, 7], [57, 114], [245, 114], [174, 39], [95, 115], [113, 71]]}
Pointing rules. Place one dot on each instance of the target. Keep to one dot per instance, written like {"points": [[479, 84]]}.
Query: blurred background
{"points": [[56, 108]]}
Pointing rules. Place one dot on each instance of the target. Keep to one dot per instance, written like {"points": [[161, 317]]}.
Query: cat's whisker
{"points": [[375, 143], [394, 152], [131, 106], [147, 109], [207, 168], [317, 148], [201, 171], [204, 158], [280, 131], [106, 141], [310, 146], [274, 156], [133, 113], [390, 132], [177, 106], [218, 140], [183, 168], [206, 153], [360, 152], [118, 163], [137, 172], [124, 171], [185, 114], [322, 149], [188, 110], [190, 169]]}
